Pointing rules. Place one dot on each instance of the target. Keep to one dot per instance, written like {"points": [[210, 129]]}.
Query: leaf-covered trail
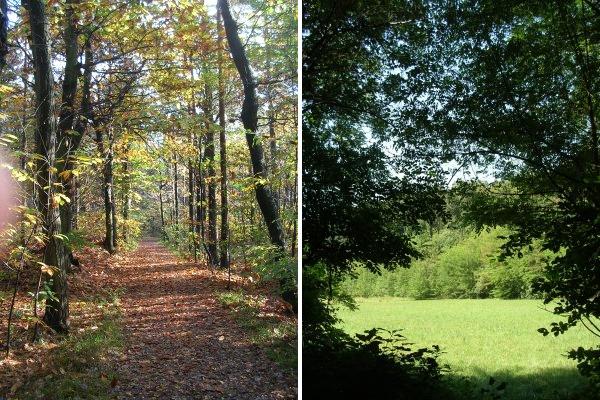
{"points": [[180, 342]]}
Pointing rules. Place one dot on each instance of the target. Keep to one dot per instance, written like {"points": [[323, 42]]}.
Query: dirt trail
{"points": [[180, 342]]}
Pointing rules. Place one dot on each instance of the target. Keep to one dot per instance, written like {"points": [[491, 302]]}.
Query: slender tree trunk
{"points": [[199, 197], [126, 193], [294, 196], [3, 33], [110, 171], [224, 256], [81, 124], [162, 210], [191, 204], [209, 155], [107, 188], [23, 138], [55, 252], [249, 117], [68, 141], [272, 164], [176, 190]]}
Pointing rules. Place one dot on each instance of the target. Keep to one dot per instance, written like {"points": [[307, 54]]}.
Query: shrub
{"points": [[457, 264], [271, 265], [378, 364]]}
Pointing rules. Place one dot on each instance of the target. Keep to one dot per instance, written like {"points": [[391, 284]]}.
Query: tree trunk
{"points": [[176, 190], [162, 210], [113, 203], [191, 229], [200, 201], [224, 256], [81, 124], [68, 142], [126, 193], [272, 164], [249, 118], [107, 189], [209, 155], [55, 252], [3, 33]]}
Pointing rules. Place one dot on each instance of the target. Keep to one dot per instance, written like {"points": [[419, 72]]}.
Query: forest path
{"points": [[181, 343]]}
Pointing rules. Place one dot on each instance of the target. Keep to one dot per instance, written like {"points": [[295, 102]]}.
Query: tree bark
{"points": [[224, 248], [81, 124], [249, 117], [176, 190], [55, 252], [162, 210], [3, 33], [211, 184], [272, 164], [191, 219], [68, 142], [126, 193], [107, 188]]}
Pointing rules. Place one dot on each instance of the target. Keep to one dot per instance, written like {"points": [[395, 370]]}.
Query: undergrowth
{"points": [[82, 366], [278, 337]]}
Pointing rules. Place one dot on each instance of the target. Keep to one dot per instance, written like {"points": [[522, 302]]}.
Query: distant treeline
{"points": [[456, 263]]}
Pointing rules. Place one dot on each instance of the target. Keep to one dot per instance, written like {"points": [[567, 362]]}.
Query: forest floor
{"points": [[150, 325]]}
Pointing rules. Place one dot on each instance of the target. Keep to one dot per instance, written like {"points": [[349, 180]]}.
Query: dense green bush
{"points": [[271, 265], [457, 263]]}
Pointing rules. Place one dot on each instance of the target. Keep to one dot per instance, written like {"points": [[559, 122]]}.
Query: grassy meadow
{"points": [[483, 338]]}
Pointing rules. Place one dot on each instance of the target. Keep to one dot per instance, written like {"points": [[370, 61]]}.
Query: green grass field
{"points": [[483, 338]]}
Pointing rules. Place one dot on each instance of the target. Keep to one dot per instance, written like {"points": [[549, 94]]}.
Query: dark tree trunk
{"points": [[176, 190], [55, 252], [68, 141], [3, 33], [162, 209], [126, 194], [191, 210], [209, 155], [224, 256], [272, 164], [81, 124], [107, 188], [249, 117], [113, 204], [200, 197]]}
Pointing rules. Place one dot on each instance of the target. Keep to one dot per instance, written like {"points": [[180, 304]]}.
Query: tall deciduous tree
{"points": [[68, 138], [249, 117], [224, 244], [3, 33], [55, 252]]}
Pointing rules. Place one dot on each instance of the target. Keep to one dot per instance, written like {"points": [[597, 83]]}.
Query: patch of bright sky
{"points": [[453, 169]]}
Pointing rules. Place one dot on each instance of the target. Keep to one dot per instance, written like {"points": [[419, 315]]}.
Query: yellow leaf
{"points": [[65, 174]]}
